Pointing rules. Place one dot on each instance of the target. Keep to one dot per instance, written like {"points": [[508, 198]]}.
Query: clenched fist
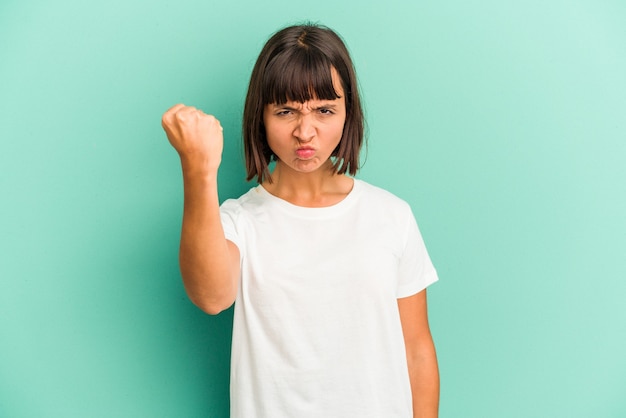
{"points": [[196, 136]]}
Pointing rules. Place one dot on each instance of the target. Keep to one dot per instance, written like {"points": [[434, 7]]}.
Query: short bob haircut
{"points": [[295, 65]]}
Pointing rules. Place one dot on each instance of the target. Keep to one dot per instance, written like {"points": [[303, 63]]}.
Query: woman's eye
{"points": [[283, 112], [325, 111]]}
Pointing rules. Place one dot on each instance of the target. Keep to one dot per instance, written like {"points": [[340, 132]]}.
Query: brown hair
{"points": [[295, 65]]}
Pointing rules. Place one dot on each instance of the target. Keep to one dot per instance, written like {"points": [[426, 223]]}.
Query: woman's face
{"points": [[304, 135]]}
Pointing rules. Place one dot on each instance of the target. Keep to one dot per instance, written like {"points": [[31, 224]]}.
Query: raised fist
{"points": [[196, 136]]}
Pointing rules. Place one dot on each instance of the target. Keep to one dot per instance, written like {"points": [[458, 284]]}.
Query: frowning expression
{"points": [[304, 135]]}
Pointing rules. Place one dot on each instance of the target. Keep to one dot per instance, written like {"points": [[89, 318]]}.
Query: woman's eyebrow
{"points": [[286, 107], [315, 106]]}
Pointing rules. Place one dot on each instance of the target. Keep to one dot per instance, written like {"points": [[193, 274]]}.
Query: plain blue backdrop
{"points": [[501, 123]]}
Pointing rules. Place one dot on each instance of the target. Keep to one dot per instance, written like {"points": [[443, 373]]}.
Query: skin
{"points": [[421, 355], [302, 136], [316, 125], [209, 264]]}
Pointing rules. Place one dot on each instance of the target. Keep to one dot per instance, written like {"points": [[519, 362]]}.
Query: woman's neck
{"points": [[316, 189]]}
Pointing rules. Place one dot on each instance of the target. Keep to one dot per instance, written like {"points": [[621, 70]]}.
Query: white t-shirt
{"points": [[316, 329]]}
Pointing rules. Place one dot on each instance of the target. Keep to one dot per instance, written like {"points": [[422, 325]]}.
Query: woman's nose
{"points": [[305, 131]]}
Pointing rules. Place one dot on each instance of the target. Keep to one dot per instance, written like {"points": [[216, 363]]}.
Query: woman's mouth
{"points": [[305, 153]]}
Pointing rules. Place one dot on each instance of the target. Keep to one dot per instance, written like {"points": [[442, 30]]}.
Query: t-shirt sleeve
{"points": [[229, 211], [416, 270]]}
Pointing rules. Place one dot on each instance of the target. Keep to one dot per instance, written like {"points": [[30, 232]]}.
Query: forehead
{"points": [[315, 100], [301, 81]]}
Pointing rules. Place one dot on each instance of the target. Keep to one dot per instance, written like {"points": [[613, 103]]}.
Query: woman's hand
{"points": [[209, 264], [196, 136]]}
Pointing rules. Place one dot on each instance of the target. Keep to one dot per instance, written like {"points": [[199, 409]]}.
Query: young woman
{"points": [[327, 273]]}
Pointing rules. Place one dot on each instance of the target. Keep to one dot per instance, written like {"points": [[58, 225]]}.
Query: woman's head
{"points": [[296, 65]]}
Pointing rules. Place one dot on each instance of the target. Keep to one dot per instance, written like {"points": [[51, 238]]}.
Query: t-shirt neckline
{"points": [[315, 212]]}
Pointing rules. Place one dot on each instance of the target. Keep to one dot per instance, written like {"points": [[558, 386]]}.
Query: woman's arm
{"points": [[421, 355], [209, 264]]}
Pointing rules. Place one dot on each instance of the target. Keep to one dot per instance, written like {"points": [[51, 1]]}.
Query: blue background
{"points": [[502, 124]]}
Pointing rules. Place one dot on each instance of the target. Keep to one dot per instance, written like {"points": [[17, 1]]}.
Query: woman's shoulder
{"points": [[372, 191], [382, 201], [247, 201]]}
